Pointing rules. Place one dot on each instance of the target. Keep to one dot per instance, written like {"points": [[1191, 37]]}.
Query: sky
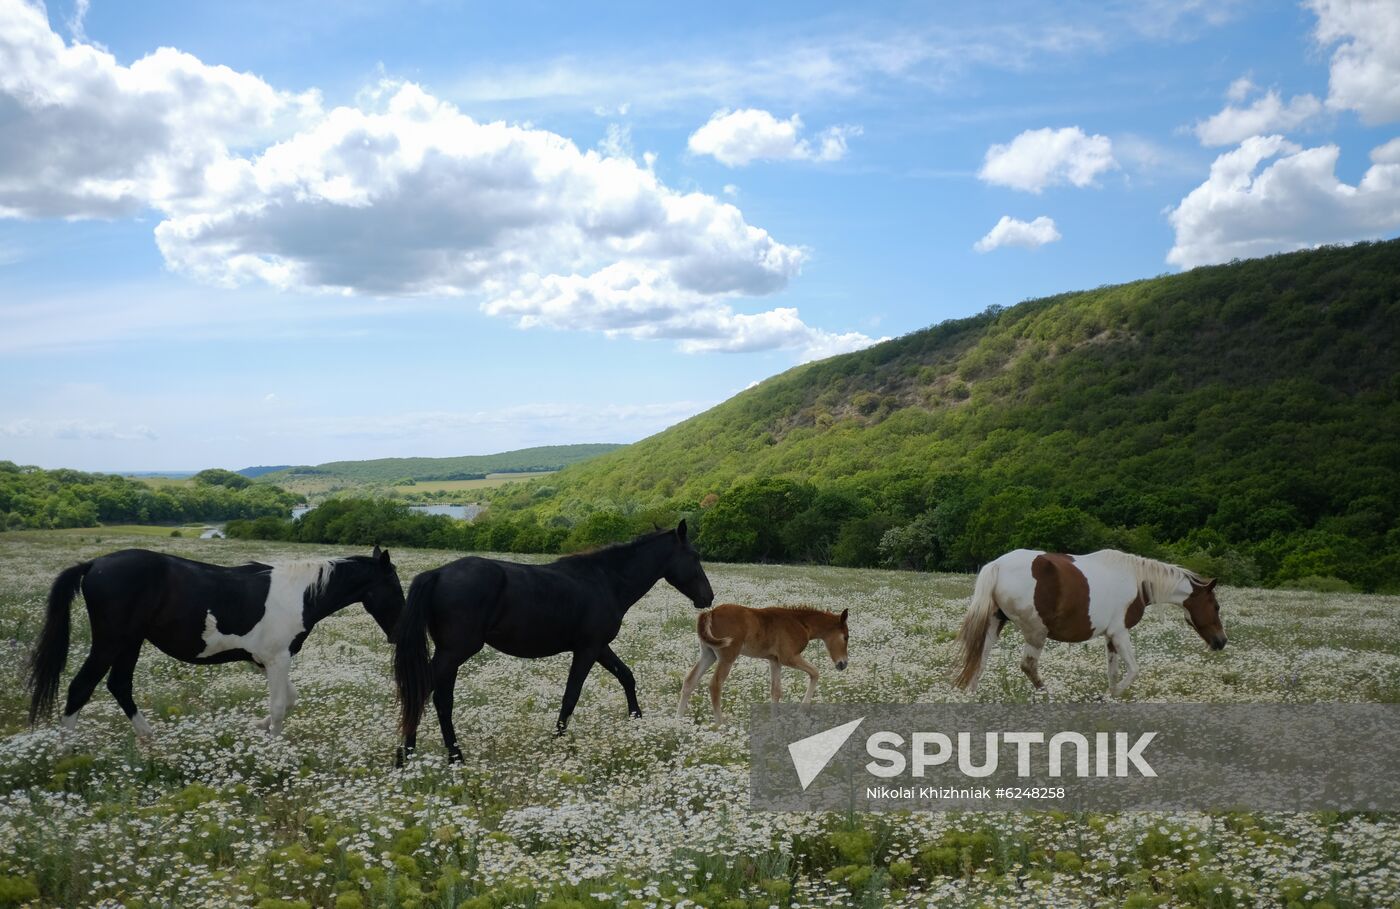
{"points": [[271, 233]]}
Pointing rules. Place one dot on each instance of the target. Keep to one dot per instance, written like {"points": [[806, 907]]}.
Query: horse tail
{"points": [[411, 672], [972, 637], [706, 635], [51, 652]]}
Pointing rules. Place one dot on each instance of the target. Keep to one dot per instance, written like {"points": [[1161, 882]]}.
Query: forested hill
{"points": [[387, 470], [1248, 413]]}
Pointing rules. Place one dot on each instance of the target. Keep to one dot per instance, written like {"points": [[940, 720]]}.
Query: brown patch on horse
{"points": [[1136, 609], [1062, 597]]}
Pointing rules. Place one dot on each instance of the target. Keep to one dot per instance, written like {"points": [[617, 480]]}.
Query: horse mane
{"points": [[310, 575], [603, 553], [1159, 577]]}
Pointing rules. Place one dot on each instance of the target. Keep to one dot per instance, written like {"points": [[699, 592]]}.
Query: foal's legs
{"points": [[610, 661], [119, 683], [1112, 660], [578, 671], [1124, 646], [726, 663], [775, 670], [797, 662], [707, 659]]}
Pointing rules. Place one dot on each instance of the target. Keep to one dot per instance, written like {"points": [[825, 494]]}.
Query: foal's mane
{"points": [[1158, 577], [803, 611]]}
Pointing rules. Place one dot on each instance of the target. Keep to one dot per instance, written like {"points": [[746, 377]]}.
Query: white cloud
{"points": [[1268, 114], [1365, 72], [1295, 202], [1038, 158], [418, 198], [1240, 89], [624, 300], [401, 195], [737, 138], [617, 141], [1011, 232], [87, 137]]}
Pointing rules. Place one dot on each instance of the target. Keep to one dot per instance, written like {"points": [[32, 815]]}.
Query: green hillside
{"points": [[1245, 415], [389, 470]]}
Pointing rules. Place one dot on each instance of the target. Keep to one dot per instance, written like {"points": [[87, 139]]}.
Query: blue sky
{"points": [[234, 234]]}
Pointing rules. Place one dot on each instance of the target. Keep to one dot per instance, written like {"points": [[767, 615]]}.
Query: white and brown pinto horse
{"points": [[1052, 596]]}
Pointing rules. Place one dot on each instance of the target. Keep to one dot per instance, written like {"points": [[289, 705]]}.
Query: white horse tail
{"points": [[972, 638]]}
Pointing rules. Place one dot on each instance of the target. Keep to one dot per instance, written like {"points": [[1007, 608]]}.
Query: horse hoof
{"points": [[401, 756], [560, 729], [635, 714], [454, 755]]}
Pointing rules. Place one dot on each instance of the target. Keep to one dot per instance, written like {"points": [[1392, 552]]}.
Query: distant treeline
{"points": [[952, 524], [468, 467], [32, 498]]}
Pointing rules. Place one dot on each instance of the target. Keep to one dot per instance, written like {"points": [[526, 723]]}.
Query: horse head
{"points": [[383, 595], [685, 573], [837, 638], [1203, 612]]}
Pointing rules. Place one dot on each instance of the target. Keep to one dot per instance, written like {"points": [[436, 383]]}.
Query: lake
{"points": [[466, 512]]}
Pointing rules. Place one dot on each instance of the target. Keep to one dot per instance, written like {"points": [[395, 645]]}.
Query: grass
{"points": [[626, 813]]}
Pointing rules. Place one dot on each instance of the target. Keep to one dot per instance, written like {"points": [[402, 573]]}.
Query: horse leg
{"points": [[707, 659], [278, 670], [1124, 646], [119, 683], [444, 666], [797, 662], [989, 645], [1030, 658], [578, 672], [610, 661], [1112, 661], [99, 660], [775, 672], [726, 663]]}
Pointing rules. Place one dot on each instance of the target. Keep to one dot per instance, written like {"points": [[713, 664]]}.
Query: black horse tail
{"points": [[51, 653], [411, 672]]}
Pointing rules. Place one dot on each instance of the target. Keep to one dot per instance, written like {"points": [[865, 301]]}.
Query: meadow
{"points": [[634, 813]]}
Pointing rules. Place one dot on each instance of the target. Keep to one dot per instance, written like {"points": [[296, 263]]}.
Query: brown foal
{"points": [[777, 634]]}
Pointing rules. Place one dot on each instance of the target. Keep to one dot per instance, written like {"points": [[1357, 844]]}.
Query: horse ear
{"points": [[844, 613], [375, 554], [681, 531], [382, 555], [1210, 585]]}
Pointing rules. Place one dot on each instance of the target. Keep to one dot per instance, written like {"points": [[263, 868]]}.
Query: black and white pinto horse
{"points": [[199, 613], [575, 604]]}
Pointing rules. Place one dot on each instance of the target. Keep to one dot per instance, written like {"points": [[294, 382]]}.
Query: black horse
{"points": [[199, 613], [573, 604]]}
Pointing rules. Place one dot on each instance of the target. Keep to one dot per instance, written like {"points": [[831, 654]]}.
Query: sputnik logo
{"points": [[811, 755]]}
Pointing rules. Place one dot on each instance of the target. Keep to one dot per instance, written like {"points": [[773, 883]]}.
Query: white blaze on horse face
{"points": [[282, 617]]}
